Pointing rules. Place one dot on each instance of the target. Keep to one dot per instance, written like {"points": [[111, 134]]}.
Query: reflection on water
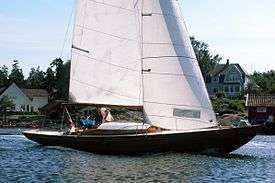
{"points": [[25, 161]]}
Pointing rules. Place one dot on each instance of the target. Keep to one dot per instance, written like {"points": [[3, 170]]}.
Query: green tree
{"points": [[207, 61], [264, 81], [49, 83], [62, 74], [4, 74], [252, 88], [5, 103], [16, 75], [65, 80], [36, 79]]}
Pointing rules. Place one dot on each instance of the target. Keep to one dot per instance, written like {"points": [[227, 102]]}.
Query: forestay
{"points": [[175, 95], [106, 53]]}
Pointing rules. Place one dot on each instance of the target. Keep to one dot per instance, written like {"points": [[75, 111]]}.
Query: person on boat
{"points": [[88, 122], [96, 113], [106, 115]]}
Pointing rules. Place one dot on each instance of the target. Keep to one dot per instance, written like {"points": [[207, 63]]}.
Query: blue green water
{"points": [[24, 161]]}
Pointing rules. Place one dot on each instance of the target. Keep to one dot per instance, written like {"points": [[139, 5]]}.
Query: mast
{"points": [[141, 59]]}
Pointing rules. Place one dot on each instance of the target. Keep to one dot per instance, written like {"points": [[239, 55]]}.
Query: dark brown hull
{"points": [[268, 129], [221, 141]]}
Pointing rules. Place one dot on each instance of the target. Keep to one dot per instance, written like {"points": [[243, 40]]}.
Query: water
{"points": [[24, 161]]}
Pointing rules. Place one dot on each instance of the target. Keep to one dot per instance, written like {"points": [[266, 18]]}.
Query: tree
{"points": [[4, 73], [16, 75], [65, 80], [49, 83], [262, 82], [36, 79], [207, 62], [5, 103], [252, 88], [62, 74]]}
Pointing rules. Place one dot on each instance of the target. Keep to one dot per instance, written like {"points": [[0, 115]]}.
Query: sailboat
{"points": [[137, 53]]}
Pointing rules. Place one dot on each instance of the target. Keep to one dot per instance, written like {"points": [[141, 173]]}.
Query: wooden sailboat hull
{"points": [[217, 140]]}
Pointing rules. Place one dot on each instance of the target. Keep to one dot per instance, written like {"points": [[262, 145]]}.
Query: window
{"points": [[215, 90], [187, 113], [23, 108], [216, 79], [233, 77], [261, 109], [226, 89], [231, 89], [237, 89]]}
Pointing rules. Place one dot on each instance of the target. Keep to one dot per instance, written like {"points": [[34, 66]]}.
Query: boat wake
{"points": [[261, 145]]}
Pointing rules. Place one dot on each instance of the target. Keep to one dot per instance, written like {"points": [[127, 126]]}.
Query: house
{"points": [[227, 78], [20, 100], [38, 97], [261, 108], [27, 100]]}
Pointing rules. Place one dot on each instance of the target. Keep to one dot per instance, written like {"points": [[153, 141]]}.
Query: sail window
{"points": [[187, 113]]}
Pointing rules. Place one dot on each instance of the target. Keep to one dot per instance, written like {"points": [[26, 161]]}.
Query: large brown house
{"points": [[261, 108]]}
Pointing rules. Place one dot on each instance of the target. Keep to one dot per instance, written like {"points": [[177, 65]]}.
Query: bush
{"points": [[223, 105]]}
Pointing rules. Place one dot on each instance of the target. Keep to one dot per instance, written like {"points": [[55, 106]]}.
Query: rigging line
{"points": [[141, 56], [67, 32], [181, 105], [118, 7], [102, 89], [184, 22], [101, 61], [167, 56], [108, 34]]}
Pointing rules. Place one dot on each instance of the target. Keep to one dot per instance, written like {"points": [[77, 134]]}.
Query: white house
{"points": [[20, 100], [39, 98], [28, 100]]}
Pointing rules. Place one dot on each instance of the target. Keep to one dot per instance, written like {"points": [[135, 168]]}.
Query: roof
{"points": [[36, 92], [53, 106], [218, 69], [222, 67], [3, 88], [242, 69], [260, 100]]}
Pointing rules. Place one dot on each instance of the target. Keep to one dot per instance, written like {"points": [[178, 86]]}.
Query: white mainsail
{"points": [[175, 96], [115, 40], [106, 53]]}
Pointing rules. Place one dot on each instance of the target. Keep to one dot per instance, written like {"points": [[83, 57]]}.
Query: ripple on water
{"points": [[25, 161]]}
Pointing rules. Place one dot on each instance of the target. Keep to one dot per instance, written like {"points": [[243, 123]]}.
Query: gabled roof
{"points": [[218, 69], [266, 100], [35, 92], [3, 89], [242, 69], [222, 67]]}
